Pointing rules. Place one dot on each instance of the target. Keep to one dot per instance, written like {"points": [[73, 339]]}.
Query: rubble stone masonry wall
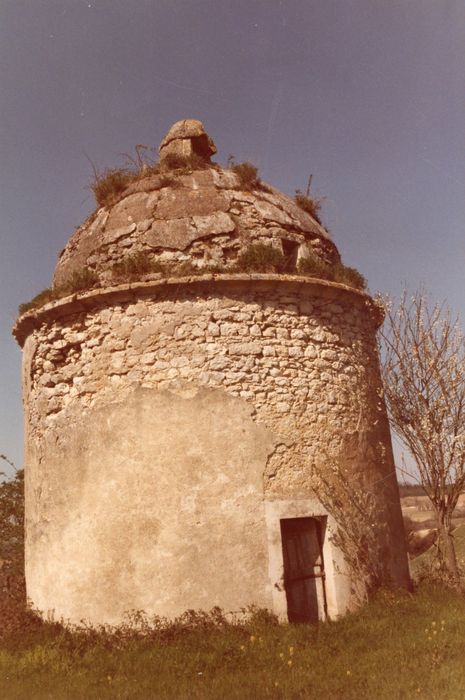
{"points": [[285, 368]]}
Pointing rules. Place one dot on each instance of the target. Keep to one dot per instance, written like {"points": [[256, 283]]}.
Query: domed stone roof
{"points": [[190, 214]]}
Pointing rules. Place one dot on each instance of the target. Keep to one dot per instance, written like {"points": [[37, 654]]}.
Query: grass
{"points": [[258, 257], [108, 185], [40, 299], [133, 266], [313, 266], [309, 205], [77, 282], [398, 646], [247, 174]]}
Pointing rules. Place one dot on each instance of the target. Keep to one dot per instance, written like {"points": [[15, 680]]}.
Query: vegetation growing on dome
{"points": [[349, 276], [84, 279], [135, 265], [261, 257], [36, 302], [78, 282], [108, 185], [246, 172], [258, 257], [314, 266], [309, 205]]}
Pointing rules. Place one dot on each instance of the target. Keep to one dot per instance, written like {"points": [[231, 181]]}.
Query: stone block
{"points": [[177, 204], [244, 349]]}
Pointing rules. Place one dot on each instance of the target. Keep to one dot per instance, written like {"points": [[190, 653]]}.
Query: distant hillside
{"points": [[411, 490]]}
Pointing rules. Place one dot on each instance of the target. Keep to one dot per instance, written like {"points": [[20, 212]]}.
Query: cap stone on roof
{"points": [[186, 138]]}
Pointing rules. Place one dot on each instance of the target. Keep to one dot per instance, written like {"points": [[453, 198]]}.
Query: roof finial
{"points": [[187, 138]]}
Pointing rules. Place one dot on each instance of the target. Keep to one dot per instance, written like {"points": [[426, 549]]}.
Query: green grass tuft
{"points": [[260, 257]]}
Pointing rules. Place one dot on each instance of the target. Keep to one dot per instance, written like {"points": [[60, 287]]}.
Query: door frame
{"points": [[337, 583]]}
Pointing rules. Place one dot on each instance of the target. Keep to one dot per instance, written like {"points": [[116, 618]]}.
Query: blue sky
{"points": [[367, 96]]}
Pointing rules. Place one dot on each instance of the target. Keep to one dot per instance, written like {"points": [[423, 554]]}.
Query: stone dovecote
{"points": [[172, 423]]}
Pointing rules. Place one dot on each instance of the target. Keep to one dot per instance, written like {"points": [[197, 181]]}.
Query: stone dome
{"points": [[191, 213]]}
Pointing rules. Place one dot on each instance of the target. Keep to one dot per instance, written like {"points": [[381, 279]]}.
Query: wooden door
{"points": [[303, 569]]}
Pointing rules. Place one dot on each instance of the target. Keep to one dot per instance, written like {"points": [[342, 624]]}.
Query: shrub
{"points": [[109, 184], [12, 585], [260, 257], [136, 265], [311, 206], [12, 522], [247, 174]]}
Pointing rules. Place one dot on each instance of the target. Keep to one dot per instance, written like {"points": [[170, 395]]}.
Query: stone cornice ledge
{"points": [[85, 300]]}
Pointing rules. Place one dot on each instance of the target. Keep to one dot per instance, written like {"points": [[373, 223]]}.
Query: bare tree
{"points": [[359, 531], [424, 382]]}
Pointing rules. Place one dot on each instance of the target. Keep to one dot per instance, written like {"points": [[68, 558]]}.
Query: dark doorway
{"points": [[303, 568], [290, 252]]}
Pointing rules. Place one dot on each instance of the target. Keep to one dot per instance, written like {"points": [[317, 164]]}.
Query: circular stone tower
{"points": [[200, 358]]}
